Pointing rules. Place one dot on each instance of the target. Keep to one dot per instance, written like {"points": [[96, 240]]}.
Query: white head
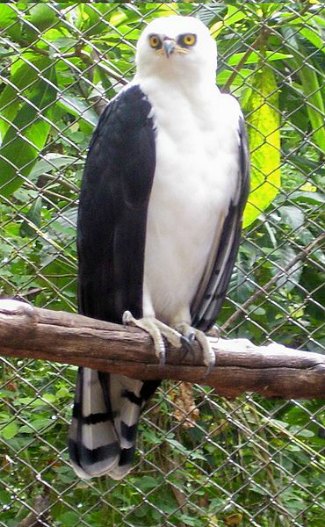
{"points": [[176, 46]]}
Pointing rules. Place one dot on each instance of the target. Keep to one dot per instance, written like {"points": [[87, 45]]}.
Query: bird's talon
{"points": [[162, 359], [209, 369], [127, 318], [185, 341], [187, 344], [191, 337]]}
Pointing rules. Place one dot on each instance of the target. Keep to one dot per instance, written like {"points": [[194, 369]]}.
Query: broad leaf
{"points": [[24, 74], [314, 102], [264, 140], [79, 109], [19, 151], [255, 57], [9, 21]]}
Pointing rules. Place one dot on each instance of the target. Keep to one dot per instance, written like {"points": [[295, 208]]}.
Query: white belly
{"points": [[194, 181]]}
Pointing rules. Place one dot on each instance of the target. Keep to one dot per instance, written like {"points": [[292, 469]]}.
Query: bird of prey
{"points": [[159, 224]]}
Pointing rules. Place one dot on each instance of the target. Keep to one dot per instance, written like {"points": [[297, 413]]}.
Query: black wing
{"points": [[111, 238], [112, 214], [210, 297]]}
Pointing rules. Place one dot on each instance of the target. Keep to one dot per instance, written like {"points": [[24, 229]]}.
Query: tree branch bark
{"points": [[272, 371]]}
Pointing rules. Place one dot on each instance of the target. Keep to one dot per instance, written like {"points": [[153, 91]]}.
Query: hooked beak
{"points": [[169, 46]]}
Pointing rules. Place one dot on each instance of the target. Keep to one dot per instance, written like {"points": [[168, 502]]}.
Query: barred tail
{"points": [[104, 424]]}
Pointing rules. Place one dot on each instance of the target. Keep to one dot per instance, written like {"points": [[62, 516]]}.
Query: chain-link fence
{"points": [[203, 460]]}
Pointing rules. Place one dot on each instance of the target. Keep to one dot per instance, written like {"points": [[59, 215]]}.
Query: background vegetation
{"points": [[227, 463]]}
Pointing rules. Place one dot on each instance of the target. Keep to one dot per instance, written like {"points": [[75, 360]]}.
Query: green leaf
{"points": [[9, 431], [36, 424], [5, 497], [42, 16], [53, 161], [311, 29], [188, 520], [233, 16], [78, 108], [177, 446], [314, 198], [33, 218], [264, 140], [90, 21], [147, 483], [27, 135], [292, 216], [9, 21], [314, 37], [311, 87], [290, 279], [7, 16], [314, 102], [69, 519], [24, 73], [255, 57]]}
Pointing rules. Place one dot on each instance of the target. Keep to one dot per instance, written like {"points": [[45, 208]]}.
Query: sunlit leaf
{"points": [[264, 139], [9, 21], [255, 57]]}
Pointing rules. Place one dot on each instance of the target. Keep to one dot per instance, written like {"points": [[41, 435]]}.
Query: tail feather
{"points": [[93, 442], [104, 424], [125, 397]]}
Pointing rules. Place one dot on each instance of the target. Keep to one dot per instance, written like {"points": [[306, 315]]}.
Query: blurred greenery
{"points": [[248, 462]]}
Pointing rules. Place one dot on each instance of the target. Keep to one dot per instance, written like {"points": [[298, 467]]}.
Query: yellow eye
{"points": [[188, 40], [154, 41]]}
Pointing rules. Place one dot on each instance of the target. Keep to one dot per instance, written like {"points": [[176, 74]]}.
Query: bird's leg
{"points": [[157, 330], [192, 334]]}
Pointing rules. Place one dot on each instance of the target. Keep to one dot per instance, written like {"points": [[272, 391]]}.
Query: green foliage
{"points": [[19, 151], [264, 140], [249, 462]]}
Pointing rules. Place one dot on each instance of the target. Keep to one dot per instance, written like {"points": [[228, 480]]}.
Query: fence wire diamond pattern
{"points": [[203, 460]]}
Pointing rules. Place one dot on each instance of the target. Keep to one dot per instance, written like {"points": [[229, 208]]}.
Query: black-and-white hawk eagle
{"points": [[159, 224]]}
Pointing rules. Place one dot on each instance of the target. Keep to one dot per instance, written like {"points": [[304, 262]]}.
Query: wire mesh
{"points": [[202, 461]]}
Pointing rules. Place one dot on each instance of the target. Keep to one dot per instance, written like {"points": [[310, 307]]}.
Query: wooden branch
{"points": [[273, 371]]}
